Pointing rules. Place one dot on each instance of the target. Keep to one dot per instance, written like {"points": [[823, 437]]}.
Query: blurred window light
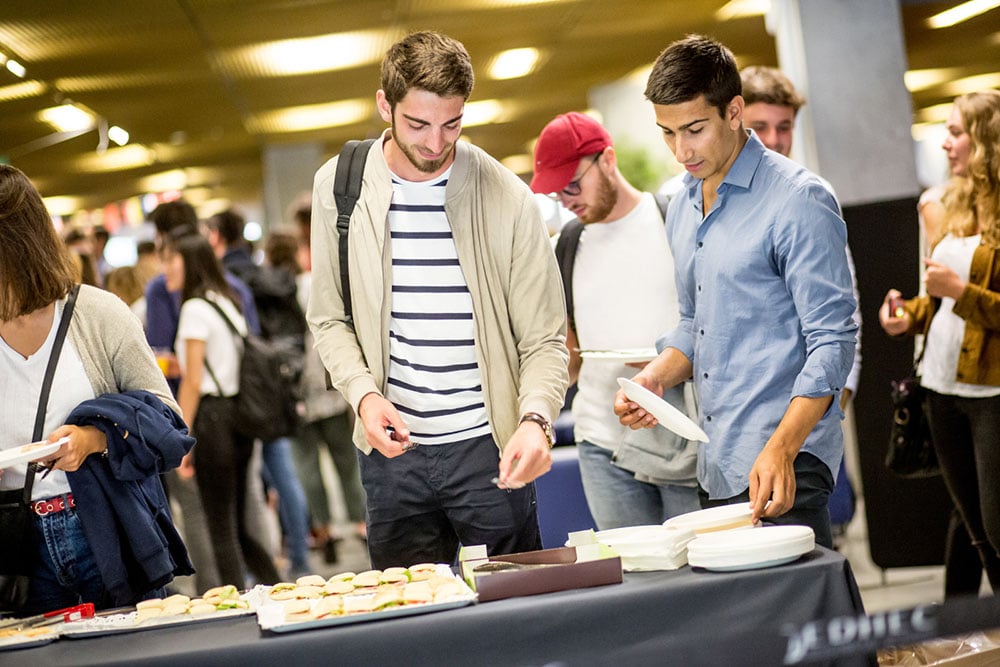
{"points": [[522, 163], [514, 63], [15, 68], [165, 181], [937, 113], [68, 118], [962, 12], [118, 135]]}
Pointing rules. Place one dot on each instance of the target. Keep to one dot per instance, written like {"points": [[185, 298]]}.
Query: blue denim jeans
{"points": [[617, 499], [292, 510], [66, 573]]}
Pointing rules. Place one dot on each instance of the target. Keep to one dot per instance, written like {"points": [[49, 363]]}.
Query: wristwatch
{"points": [[546, 425]]}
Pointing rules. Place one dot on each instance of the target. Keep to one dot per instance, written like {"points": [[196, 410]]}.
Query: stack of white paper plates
{"points": [[750, 549], [644, 548], [725, 517]]}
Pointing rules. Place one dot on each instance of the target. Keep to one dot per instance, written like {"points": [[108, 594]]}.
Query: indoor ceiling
{"points": [[180, 78]]}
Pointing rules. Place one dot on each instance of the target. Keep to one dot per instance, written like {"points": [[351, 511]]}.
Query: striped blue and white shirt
{"points": [[434, 379]]}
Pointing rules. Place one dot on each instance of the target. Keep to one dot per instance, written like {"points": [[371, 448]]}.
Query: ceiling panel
{"points": [[164, 70]]}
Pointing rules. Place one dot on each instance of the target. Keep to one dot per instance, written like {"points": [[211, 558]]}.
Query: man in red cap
{"points": [[617, 236]]}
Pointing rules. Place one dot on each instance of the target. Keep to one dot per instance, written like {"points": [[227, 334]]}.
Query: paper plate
{"points": [[625, 355], [669, 417], [750, 549], [725, 517], [636, 541], [30, 452]]}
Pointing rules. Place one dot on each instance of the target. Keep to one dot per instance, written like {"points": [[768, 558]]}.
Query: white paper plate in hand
{"points": [[625, 355], [30, 452], [669, 417]]}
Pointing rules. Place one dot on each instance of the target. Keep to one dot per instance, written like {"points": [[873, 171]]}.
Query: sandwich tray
{"points": [[124, 623], [28, 639], [270, 616]]}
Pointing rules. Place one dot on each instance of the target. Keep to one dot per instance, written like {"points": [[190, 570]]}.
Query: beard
{"points": [[604, 200], [422, 165]]}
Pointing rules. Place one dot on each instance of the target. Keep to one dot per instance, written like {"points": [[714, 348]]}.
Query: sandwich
{"points": [[367, 579], [284, 590], [310, 580], [337, 587], [298, 610]]}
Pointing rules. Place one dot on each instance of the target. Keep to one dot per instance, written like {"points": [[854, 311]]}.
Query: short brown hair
{"points": [[769, 86], [691, 67], [429, 61], [35, 267]]}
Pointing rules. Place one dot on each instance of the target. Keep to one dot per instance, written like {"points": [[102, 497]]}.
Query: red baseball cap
{"points": [[566, 139]]}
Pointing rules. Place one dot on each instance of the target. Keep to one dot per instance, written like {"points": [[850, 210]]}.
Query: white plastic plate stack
{"points": [[726, 517], [750, 549], [644, 548]]}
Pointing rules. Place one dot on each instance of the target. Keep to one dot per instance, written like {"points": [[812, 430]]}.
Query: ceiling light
{"points": [[165, 181], [922, 79], [117, 159], [971, 84], [312, 54], [962, 12], [483, 112], [15, 68], [62, 206], [738, 9], [522, 163], [937, 113], [310, 117], [21, 90], [118, 135], [513, 63], [68, 118]]}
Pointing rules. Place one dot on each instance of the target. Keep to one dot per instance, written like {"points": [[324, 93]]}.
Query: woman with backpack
{"points": [[209, 355]]}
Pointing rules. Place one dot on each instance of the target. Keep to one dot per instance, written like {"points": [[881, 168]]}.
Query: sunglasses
{"points": [[572, 188]]}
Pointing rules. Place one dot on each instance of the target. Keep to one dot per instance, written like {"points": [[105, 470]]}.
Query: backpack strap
{"points": [[566, 245], [346, 191], [235, 332]]}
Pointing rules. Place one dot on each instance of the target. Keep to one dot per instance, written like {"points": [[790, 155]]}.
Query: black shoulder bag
{"points": [[17, 554], [911, 450]]}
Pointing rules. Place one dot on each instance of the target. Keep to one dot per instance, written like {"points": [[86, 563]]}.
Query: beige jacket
{"points": [[504, 251]]}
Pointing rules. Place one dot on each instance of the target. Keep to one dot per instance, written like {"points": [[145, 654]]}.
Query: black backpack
{"points": [[265, 405], [566, 245]]}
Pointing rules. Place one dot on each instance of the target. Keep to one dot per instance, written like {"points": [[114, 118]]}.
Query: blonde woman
{"points": [[960, 319]]}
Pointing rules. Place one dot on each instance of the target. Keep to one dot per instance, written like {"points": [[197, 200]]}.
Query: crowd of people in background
{"points": [[223, 494]]}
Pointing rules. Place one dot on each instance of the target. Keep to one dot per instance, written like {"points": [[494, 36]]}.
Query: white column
{"points": [[848, 59], [288, 171]]}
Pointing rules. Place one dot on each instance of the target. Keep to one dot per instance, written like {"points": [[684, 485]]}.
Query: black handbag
{"points": [[911, 449], [17, 541]]}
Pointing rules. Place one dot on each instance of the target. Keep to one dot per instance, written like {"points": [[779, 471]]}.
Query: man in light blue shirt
{"points": [[765, 300]]}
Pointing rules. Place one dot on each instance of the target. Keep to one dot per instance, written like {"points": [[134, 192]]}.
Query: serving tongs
{"points": [[67, 615]]}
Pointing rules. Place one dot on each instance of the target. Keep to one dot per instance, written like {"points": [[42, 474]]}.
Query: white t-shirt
{"points": [[20, 387], [199, 321], [944, 338], [624, 297]]}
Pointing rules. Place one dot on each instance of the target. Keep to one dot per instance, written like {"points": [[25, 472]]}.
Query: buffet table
{"points": [[689, 617]]}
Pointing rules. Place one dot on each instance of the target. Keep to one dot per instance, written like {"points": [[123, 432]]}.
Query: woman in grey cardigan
{"points": [[104, 355]]}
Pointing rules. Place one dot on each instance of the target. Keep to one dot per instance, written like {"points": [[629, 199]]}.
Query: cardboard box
{"points": [[564, 571]]}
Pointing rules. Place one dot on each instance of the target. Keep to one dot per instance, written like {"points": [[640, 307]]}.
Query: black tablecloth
{"points": [[683, 617]]}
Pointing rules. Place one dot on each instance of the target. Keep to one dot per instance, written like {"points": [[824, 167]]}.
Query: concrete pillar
{"points": [[848, 59], [288, 171]]}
